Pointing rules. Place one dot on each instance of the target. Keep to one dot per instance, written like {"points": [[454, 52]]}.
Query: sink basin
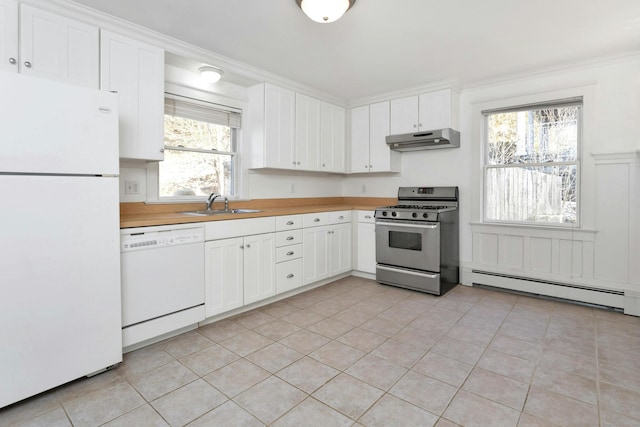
{"points": [[219, 212]]}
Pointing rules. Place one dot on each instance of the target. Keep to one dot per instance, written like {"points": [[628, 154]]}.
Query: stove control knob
{"points": [[384, 213], [425, 215], [393, 214], [415, 215]]}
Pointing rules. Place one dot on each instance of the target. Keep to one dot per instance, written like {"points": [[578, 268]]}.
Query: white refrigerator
{"points": [[60, 310]]}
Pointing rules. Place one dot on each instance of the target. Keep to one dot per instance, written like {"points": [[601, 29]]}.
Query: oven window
{"points": [[404, 240]]}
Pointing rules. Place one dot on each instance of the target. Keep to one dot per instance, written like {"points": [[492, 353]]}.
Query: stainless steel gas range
{"points": [[417, 240]]}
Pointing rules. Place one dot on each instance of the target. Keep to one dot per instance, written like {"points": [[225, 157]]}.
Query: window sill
{"points": [[535, 230]]}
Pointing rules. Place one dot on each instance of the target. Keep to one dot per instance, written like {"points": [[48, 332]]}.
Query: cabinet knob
{"points": [[341, 217], [290, 238], [162, 150], [415, 126], [323, 165], [316, 220], [27, 64], [289, 222], [370, 166], [367, 216], [289, 276], [293, 162], [298, 163], [366, 166], [248, 245], [241, 246], [290, 253], [12, 61]]}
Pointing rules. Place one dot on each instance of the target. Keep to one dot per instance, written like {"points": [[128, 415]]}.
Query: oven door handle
{"points": [[402, 224], [403, 271]]}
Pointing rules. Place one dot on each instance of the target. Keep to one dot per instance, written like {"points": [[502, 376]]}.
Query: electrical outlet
{"points": [[292, 189], [132, 187], [364, 188]]}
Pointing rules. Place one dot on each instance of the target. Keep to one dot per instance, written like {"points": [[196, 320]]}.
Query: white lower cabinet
{"points": [[365, 242], [259, 267], [326, 248]]}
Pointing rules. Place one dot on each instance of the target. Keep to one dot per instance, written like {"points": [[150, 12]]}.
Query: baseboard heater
{"points": [[568, 292]]}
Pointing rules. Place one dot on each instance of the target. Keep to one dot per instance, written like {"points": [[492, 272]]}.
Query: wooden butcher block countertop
{"points": [[140, 214]]}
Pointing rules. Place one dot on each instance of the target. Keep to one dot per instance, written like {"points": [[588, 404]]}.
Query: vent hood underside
{"points": [[429, 140]]}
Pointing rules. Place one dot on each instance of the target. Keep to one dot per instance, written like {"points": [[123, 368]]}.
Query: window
{"points": [[199, 149], [531, 166]]}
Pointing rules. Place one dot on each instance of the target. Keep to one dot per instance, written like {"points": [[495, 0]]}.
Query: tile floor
{"points": [[355, 352]]}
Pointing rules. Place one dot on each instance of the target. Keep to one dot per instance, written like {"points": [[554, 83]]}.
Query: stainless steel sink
{"points": [[220, 212]]}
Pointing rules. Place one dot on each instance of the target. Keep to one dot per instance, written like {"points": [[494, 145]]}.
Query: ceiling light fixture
{"points": [[325, 11], [210, 74]]}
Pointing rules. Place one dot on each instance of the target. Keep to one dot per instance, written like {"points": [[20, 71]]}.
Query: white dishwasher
{"points": [[162, 280]]}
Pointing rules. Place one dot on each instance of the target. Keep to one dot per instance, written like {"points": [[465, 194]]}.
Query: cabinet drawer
{"points": [[215, 230], [288, 222], [286, 238], [366, 216], [340, 217], [288, 275], [315, 219], [287, 253]]}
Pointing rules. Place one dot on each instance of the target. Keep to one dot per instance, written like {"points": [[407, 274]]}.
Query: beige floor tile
{"points": [[612, 419], [417, 337], [274, 357], [401, 313], [528, 420], [423, 391], [387, 328], [337, 355], [470, 410], [208, 360], [399, 353], [304, 341], [187, 343], [253, 319], [143, 360], [558, 409], [469, 335], [495, 387], [303, 318], [221, 330], [278, 309], [583, 366], [104, 405], [571, 346], [326, 308], [361, 339], [429, 322], [141, 416], [455, 305], [270, 399], [618, 357], [28, 409], [352, 317], [311, 413], [443, 422], [371, 307], [84, 386], [277, 329], [507, 365], [522, 332], [227, 414], [458, 350], [376, 371], [302, 300], [574, 386], [618, 375], [237, 377], [391, 411], [307, 374], [330, 328], [620, 400], [348, 395], [188, 403], [516, 347], [163, 380], [246, 343], [55, 418], [443, 368]]}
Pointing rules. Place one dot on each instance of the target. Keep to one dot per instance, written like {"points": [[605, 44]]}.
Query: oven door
{"points": [[408, 244]]}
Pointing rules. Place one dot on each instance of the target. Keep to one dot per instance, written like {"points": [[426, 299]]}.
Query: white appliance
{"points": [[59, 245], [162, 280]]}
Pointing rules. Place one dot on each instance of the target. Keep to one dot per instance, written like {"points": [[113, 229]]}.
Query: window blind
{"points": [[568, 102], [201, 111]]}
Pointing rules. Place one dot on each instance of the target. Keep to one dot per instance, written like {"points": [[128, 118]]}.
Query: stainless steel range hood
{"points": [[429, 140]]}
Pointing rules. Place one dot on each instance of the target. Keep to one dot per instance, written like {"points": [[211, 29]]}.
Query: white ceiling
{"points": [[381, 46]]}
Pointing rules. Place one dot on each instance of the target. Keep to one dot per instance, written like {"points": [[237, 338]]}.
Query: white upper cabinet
{"points": [[9, 35], [135, 70], [429, 111], [50, 45], [369, 149], [271, 126], [307, 142], [332, 146]]}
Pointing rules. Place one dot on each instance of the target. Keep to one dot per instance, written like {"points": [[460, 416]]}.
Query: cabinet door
{"points": [[279, 127], [259, 267], [136, 72], [380, 156], [366, 248], [223, 275], [404, 115], [307, 145], [315, 257], [340, 249], [332, 138], [360, 139], [9, 35], [57, 47], [435, 110]]}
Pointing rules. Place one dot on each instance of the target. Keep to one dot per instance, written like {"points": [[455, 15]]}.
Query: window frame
{"points": [[234, 155], [577, 101]]}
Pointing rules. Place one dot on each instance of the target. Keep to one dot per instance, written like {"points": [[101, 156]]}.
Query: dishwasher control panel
{"points": [[158, 237]]}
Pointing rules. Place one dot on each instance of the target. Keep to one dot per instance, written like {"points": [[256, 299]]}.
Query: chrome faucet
{"points": [[212, 197]]}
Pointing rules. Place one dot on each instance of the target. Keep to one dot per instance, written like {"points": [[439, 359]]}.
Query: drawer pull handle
{"points": [[316, 220], [289, 222], [290, 238], [341, 217], [367, 216], [290, 253], [289, 276]]}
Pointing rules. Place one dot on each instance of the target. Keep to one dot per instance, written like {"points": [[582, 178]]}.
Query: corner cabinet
{"points": [[135, 70], [369, 149], [428, 111], [332, 137]]}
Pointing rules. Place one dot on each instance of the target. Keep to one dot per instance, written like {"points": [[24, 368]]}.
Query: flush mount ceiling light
{"points": [[325, 11], [210, 74]]}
